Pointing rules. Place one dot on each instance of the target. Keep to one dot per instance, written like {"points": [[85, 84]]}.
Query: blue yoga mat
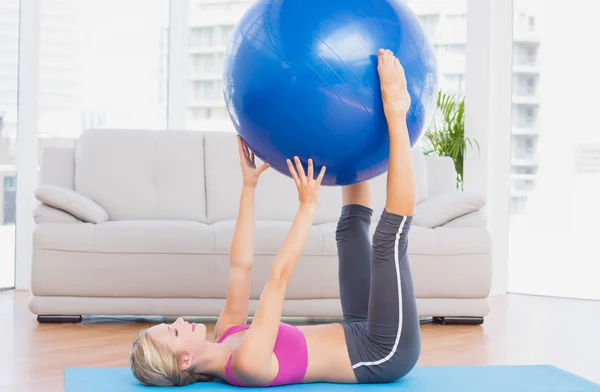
{"points": [[422, 379]]}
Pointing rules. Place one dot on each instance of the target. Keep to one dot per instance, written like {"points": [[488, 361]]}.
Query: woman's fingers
{"points": [[300, 169], [311, 170], [301, 174], [293, 172], [262, 168], [241, 146], [321, 175]]}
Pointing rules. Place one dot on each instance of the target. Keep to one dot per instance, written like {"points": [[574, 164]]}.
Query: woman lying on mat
{"points": [[379, 339]]}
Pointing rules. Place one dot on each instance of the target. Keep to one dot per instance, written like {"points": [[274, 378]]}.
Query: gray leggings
{"points": [[381, 323]]}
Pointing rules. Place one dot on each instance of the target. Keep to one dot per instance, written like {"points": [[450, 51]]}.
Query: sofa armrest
{"points": [[439, 210], [46, 214], [71, 202], [472, 219], [441, 175]]}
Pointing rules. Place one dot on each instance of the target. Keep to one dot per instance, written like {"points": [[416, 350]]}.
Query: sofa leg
{"points": [[59, 319], [458, 320]]}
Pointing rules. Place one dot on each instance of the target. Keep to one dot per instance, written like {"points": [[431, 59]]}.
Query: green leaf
{"points": [[446, 135]]}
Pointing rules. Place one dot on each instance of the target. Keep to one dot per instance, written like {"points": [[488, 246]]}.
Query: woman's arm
{"points": [[242, 247], [254, 361]]}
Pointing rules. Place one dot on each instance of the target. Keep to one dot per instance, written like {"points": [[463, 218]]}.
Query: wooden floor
{"points": [[520, 330]]}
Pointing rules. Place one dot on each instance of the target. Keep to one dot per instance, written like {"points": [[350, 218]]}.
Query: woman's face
{"points": [[181, 337]]}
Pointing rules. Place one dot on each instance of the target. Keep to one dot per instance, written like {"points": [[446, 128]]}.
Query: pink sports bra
{"points": [[290, 350]]}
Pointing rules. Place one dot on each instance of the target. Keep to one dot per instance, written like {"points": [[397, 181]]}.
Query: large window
{"points": [[103, 64], [9, 51], [119, 64], [211, 23], [555, 151], [445, 23]]}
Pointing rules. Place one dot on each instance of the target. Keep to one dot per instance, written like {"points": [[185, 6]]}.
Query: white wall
{"points": [[554, 243]]}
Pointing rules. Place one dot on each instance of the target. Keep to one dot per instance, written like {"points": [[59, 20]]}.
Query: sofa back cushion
{"points": [[58, 166], [137, 174], [276, 195]]}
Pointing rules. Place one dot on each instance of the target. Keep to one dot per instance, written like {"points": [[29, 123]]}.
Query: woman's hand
{"points": [[249, 171], [308, 187]]}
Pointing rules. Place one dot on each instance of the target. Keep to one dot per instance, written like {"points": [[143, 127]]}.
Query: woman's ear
{"points": [[185, 361]]}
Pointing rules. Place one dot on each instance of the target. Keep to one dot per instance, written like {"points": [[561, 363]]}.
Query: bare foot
{"points": [[396, 100]]}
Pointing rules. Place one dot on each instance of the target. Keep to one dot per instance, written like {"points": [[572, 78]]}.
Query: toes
{"points": [[386, 56], [389, 55]]}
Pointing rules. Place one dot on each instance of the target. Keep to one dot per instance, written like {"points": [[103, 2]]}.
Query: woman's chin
{"points": [[200, 329]]}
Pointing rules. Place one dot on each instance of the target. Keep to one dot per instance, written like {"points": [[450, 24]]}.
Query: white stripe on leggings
{"points": [[397, 262]]}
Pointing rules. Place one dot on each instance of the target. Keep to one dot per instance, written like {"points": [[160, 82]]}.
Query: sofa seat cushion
{"points": [[58, 273], [268, 237], [167, 259], [445, 262], [140, 236], [423, 241]]}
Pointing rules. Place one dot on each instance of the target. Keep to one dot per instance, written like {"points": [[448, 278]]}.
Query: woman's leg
{"points": [[354, 251], [392, 327], [392, 341]]}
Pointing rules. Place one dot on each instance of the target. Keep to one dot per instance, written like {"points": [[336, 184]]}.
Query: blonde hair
{"points": [[156, 365]]}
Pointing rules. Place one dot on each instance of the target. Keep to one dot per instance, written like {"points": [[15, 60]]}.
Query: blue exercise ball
{"points": [[300, 78]]}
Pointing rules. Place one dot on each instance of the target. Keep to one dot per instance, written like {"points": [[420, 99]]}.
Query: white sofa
{"points": [[139, 222]]}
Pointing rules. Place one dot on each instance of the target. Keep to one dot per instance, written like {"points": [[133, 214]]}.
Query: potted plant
{"points": [[446, 135]]}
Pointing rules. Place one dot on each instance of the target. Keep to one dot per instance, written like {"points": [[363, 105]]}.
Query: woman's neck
{"points": [[214, 358]]}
